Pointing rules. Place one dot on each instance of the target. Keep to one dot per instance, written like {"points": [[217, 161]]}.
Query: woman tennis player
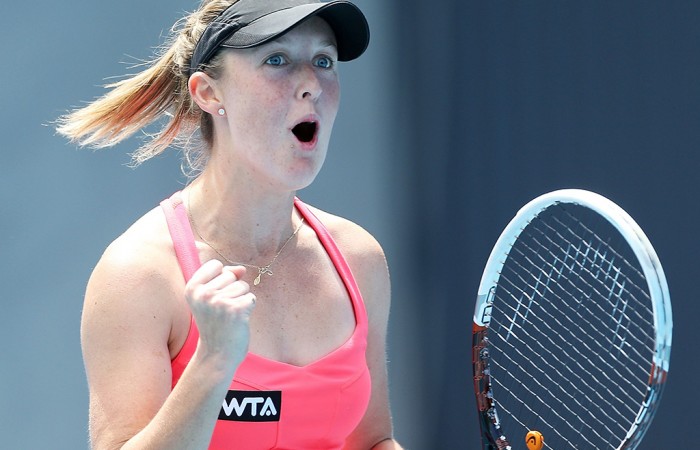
{"points": [[234, 316]]}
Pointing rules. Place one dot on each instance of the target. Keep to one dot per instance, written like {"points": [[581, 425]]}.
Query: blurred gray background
{"points": [[460, 112]]}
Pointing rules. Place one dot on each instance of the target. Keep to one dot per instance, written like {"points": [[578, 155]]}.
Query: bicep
{"points": [[124, 338]]}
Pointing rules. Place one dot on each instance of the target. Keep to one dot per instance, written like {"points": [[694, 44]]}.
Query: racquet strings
{"points": [[572, 334]]}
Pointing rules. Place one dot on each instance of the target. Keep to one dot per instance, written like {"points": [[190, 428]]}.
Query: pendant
{"points": [[261, 271]]}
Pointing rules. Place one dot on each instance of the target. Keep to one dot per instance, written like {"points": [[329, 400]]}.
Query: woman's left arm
{"points": [[369, 266]]}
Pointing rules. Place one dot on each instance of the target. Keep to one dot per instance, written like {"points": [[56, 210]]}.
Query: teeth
{"points": [[305, 131]]}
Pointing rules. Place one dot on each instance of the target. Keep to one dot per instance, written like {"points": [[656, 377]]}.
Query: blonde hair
{"points": [[157, 91]]}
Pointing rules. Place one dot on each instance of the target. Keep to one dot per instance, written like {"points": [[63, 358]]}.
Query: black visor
{"points": [[249, 23]]}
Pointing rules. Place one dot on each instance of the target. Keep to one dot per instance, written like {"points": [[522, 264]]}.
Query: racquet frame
{"points": [[493, 436]]}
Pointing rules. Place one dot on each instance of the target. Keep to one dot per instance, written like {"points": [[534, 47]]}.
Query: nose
{"points": [[309, 87]]}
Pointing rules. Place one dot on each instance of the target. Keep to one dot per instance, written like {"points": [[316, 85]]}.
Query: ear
{"points": [[203, 91]]}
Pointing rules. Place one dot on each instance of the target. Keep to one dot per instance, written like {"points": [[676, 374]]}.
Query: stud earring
{"points": [[222, 111]]}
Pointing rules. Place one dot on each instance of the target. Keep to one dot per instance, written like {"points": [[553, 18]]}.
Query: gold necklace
{"points": [[266, 269]]}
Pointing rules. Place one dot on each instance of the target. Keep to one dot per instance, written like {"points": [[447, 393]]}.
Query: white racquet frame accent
{"points": [[653, 273]]}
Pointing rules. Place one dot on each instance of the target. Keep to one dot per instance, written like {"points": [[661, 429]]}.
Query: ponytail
{"points": [[160, 89]]}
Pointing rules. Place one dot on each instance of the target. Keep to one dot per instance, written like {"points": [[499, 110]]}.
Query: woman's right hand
{"points": [[221, 303]]}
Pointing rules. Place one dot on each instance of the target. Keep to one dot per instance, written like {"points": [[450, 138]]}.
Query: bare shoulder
{"points": [[141, 257], [137, 279], [364, 254], [357, 244]]}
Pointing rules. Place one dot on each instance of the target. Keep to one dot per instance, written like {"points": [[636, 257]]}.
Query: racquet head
{"points": [[572, 328]]}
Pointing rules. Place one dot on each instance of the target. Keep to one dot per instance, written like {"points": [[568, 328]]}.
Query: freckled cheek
{"points": [[261, 109], [331, 94]]}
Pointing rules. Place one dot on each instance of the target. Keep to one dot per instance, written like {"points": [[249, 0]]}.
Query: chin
{"points": [[305, 173], [302, 182]]}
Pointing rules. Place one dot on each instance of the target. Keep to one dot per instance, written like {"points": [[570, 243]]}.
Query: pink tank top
{"points": [[274, 405]]}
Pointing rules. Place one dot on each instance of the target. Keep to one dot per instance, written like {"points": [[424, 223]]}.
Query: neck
{"points": [[246, 225]]}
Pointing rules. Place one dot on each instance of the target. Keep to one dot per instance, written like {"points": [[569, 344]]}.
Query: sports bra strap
{"points": [[336, 256], [181, 233]]}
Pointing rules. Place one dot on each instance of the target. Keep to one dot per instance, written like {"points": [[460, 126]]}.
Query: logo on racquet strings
{"points": [[534, 440], [252, 406]]}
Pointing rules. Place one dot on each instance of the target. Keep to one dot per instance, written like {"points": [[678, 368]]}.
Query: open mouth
{"points": [[305, 131]]}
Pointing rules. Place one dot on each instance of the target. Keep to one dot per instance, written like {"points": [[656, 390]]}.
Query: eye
{"points": [[324, 62], [276, 60]]}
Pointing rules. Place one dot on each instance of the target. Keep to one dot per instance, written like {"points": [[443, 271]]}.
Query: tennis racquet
{"points": [[572, 328]]}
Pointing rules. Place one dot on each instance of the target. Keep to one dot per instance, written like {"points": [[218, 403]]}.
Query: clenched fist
{"points": [[221, 303]]}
